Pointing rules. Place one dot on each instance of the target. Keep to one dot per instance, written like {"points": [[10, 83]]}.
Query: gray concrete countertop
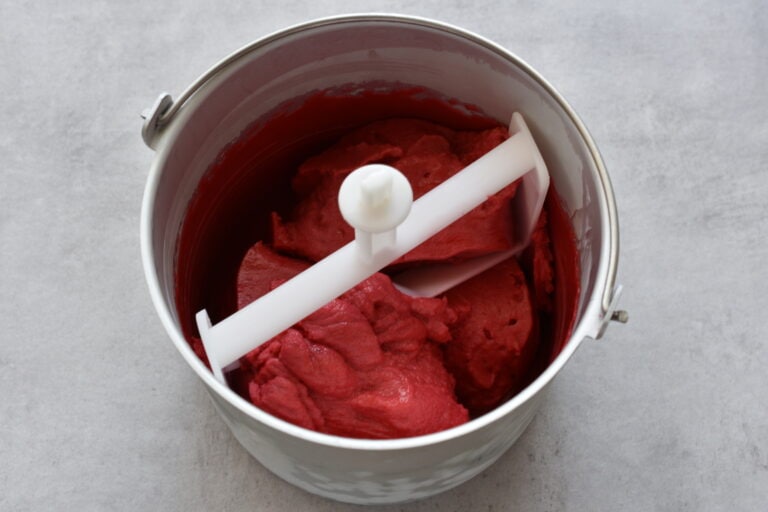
{"points": [[669, 412]]}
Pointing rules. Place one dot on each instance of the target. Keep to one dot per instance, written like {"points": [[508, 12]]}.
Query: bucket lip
{"points": [[595, 308]]}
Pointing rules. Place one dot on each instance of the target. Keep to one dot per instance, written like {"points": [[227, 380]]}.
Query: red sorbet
{"points": [[427, 154], [373, 363], [367, 364], [494, 342]]}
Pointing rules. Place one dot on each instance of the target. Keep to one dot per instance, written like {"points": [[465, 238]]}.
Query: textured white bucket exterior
{"points": [[355, 49]]}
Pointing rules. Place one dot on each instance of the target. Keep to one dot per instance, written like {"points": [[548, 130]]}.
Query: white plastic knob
{"points": [[374, 200]]}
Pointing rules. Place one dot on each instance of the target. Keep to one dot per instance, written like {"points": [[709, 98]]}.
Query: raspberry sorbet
{"points": [[374, 363]]}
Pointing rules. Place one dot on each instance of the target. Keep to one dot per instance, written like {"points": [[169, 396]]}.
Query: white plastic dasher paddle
{"points": [[376, 200]]}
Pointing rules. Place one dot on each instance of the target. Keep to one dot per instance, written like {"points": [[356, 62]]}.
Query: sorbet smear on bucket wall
{"points": [[374, 363]]}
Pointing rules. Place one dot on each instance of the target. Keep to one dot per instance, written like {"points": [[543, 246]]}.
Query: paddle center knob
{"points": [[374, 200]]}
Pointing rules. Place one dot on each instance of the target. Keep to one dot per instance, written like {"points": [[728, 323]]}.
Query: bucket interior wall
{"points": [[382, 52]]}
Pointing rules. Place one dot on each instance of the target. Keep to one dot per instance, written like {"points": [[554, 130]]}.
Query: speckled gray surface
{"points": [[669, 412]]}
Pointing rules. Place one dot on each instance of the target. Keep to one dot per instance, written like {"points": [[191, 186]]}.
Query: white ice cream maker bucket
{"points": [[187, 135]]}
